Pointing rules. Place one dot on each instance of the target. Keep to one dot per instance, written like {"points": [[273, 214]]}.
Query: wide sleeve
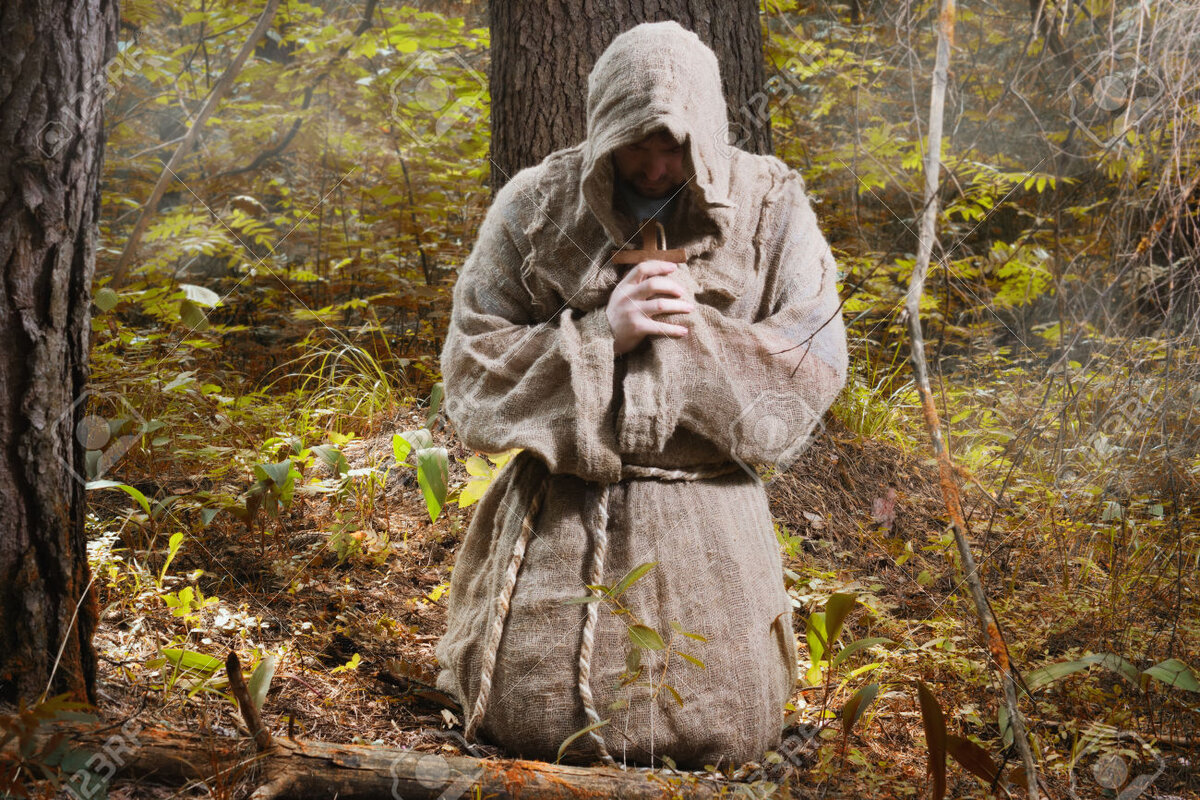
{"points": [[514, 381], [755, 388]]}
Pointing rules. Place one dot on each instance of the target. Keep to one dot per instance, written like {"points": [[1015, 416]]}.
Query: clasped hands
{"points": [[644, 293]]}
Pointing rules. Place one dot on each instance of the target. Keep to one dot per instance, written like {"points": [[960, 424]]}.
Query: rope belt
{"points": [[599, 536]]}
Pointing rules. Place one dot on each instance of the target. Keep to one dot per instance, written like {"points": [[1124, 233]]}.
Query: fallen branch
{"points": [[946, 471], [304, 769]]}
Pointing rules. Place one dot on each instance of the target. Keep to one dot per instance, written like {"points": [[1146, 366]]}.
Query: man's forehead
{"points": [[661, 136]]}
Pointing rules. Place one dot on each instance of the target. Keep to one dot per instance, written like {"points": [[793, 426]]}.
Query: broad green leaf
{"points": [[124, 487], [814, 632], [401, 447], [106, 299], [1117, 664], [500, 459], [192, 661], [433, 476], [935, 738], [404, 443], [972, 757], [643, 636], [632, 577], [173, 546], [436, 395], [277, 473], [191, 315], [691, 659], [478, 467], [859, 644], [1044, 676], [856, 705], [260, 680], [562, 748], [471, 493], [163, 506], [352, 664], [837, 609], [1174, 672], [1006, 729], [333, 457], [182, 380]]}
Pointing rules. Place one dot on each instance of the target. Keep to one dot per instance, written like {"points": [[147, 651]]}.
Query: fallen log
{"points": [[308, 769]]}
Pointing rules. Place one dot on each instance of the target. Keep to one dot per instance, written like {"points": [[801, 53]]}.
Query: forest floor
{"points": [[354, 621]]}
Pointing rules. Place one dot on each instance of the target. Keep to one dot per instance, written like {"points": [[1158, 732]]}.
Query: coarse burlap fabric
{"points": [[528, 362]]}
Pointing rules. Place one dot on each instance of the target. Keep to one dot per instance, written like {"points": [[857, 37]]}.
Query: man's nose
{"points": [[656, 168]]}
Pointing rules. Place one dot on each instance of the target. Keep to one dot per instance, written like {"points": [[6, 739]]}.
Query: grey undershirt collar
{"points": [[642, 207]]}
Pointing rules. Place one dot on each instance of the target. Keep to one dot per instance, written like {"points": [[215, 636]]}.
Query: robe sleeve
{"points": [[512, 380], [757, 389]]}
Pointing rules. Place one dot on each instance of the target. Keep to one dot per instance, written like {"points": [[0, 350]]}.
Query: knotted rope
{"points": [[599, 536]]}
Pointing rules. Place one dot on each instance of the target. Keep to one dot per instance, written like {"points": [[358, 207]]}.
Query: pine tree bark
{"points": [[541, 54], [52, 83]]}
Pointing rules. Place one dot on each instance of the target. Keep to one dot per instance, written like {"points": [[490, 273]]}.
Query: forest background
{"points": [[269, 470]]}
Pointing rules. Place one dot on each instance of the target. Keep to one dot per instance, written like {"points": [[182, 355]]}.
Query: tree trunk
{"points": [[52, 86], [541, 54]]}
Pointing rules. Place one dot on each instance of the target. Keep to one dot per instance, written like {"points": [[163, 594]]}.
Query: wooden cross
{"points": [[652, 233]]}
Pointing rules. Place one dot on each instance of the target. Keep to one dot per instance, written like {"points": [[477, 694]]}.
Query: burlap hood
{"points": [[652, 77]]}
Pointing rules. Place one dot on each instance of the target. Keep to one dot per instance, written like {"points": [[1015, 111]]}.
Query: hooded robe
{"points": [[528, 363]]}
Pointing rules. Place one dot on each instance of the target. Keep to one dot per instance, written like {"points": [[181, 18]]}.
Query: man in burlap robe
{"points": [[616, 445]]}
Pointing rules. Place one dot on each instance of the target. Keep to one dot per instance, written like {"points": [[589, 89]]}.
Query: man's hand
{"points": [[644, 293]]}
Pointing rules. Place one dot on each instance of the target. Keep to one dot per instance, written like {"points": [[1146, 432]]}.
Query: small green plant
{"points": [[642, 639], [188, 602], [482, 473], [432, 464], [271, 493], [823, 630], [189, 670]]}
